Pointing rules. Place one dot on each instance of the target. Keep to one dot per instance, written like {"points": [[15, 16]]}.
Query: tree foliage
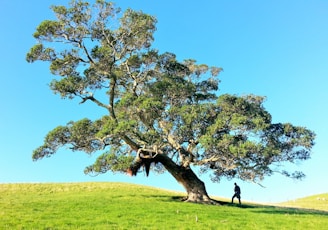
{"points": [[159, 109]]}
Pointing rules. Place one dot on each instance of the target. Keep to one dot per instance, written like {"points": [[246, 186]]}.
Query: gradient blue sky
{"points": [[273, 48]]}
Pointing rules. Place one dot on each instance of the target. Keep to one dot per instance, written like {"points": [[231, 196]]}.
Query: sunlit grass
{"points": [[318, 202], [127, 206]]}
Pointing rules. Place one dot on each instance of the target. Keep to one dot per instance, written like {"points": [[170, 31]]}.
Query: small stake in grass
{"points": [[196, 218]]}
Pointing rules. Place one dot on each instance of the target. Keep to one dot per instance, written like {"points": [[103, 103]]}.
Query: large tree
{"points": [[161, 114]]}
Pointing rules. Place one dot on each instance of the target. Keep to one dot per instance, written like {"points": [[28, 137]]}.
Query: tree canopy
{"points": [[161, 113]]}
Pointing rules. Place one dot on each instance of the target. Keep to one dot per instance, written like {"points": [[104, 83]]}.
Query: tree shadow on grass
{"points": [[290, 211], [218, 202], [258, 208], [271, 209]]}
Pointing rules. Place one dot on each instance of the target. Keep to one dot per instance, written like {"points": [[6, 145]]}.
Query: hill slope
{"points": [[128, 206], [318, 202]]}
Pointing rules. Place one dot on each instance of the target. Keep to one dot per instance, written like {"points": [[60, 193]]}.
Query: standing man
{"points": [[237, 193]]}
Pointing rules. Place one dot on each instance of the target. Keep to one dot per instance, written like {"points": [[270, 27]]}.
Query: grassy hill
{"points": [[128, 206], [318, 202]]}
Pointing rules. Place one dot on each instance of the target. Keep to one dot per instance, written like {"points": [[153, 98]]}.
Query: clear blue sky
{"points": [[277, 49]]}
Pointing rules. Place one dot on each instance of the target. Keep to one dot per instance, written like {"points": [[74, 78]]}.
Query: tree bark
{"points": [[195, 188]]}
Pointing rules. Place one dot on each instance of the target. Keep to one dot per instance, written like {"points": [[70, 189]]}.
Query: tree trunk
{"points": [[196, 191]]}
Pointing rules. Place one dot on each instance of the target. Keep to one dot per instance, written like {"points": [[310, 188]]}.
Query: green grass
{"points": [[127, 206], [319, 202]]}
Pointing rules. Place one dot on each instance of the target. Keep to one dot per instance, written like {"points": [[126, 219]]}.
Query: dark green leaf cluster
{"points": [[110, 162], [76, 135], [244, 143]]}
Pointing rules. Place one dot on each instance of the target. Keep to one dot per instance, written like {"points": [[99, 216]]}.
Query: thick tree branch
{"points": [[91, 98], [183, 154], [134, 146], [87, 53], [112, 95]]}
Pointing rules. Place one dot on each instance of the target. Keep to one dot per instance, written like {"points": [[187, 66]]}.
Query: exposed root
{"points": [[205, 200]]}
